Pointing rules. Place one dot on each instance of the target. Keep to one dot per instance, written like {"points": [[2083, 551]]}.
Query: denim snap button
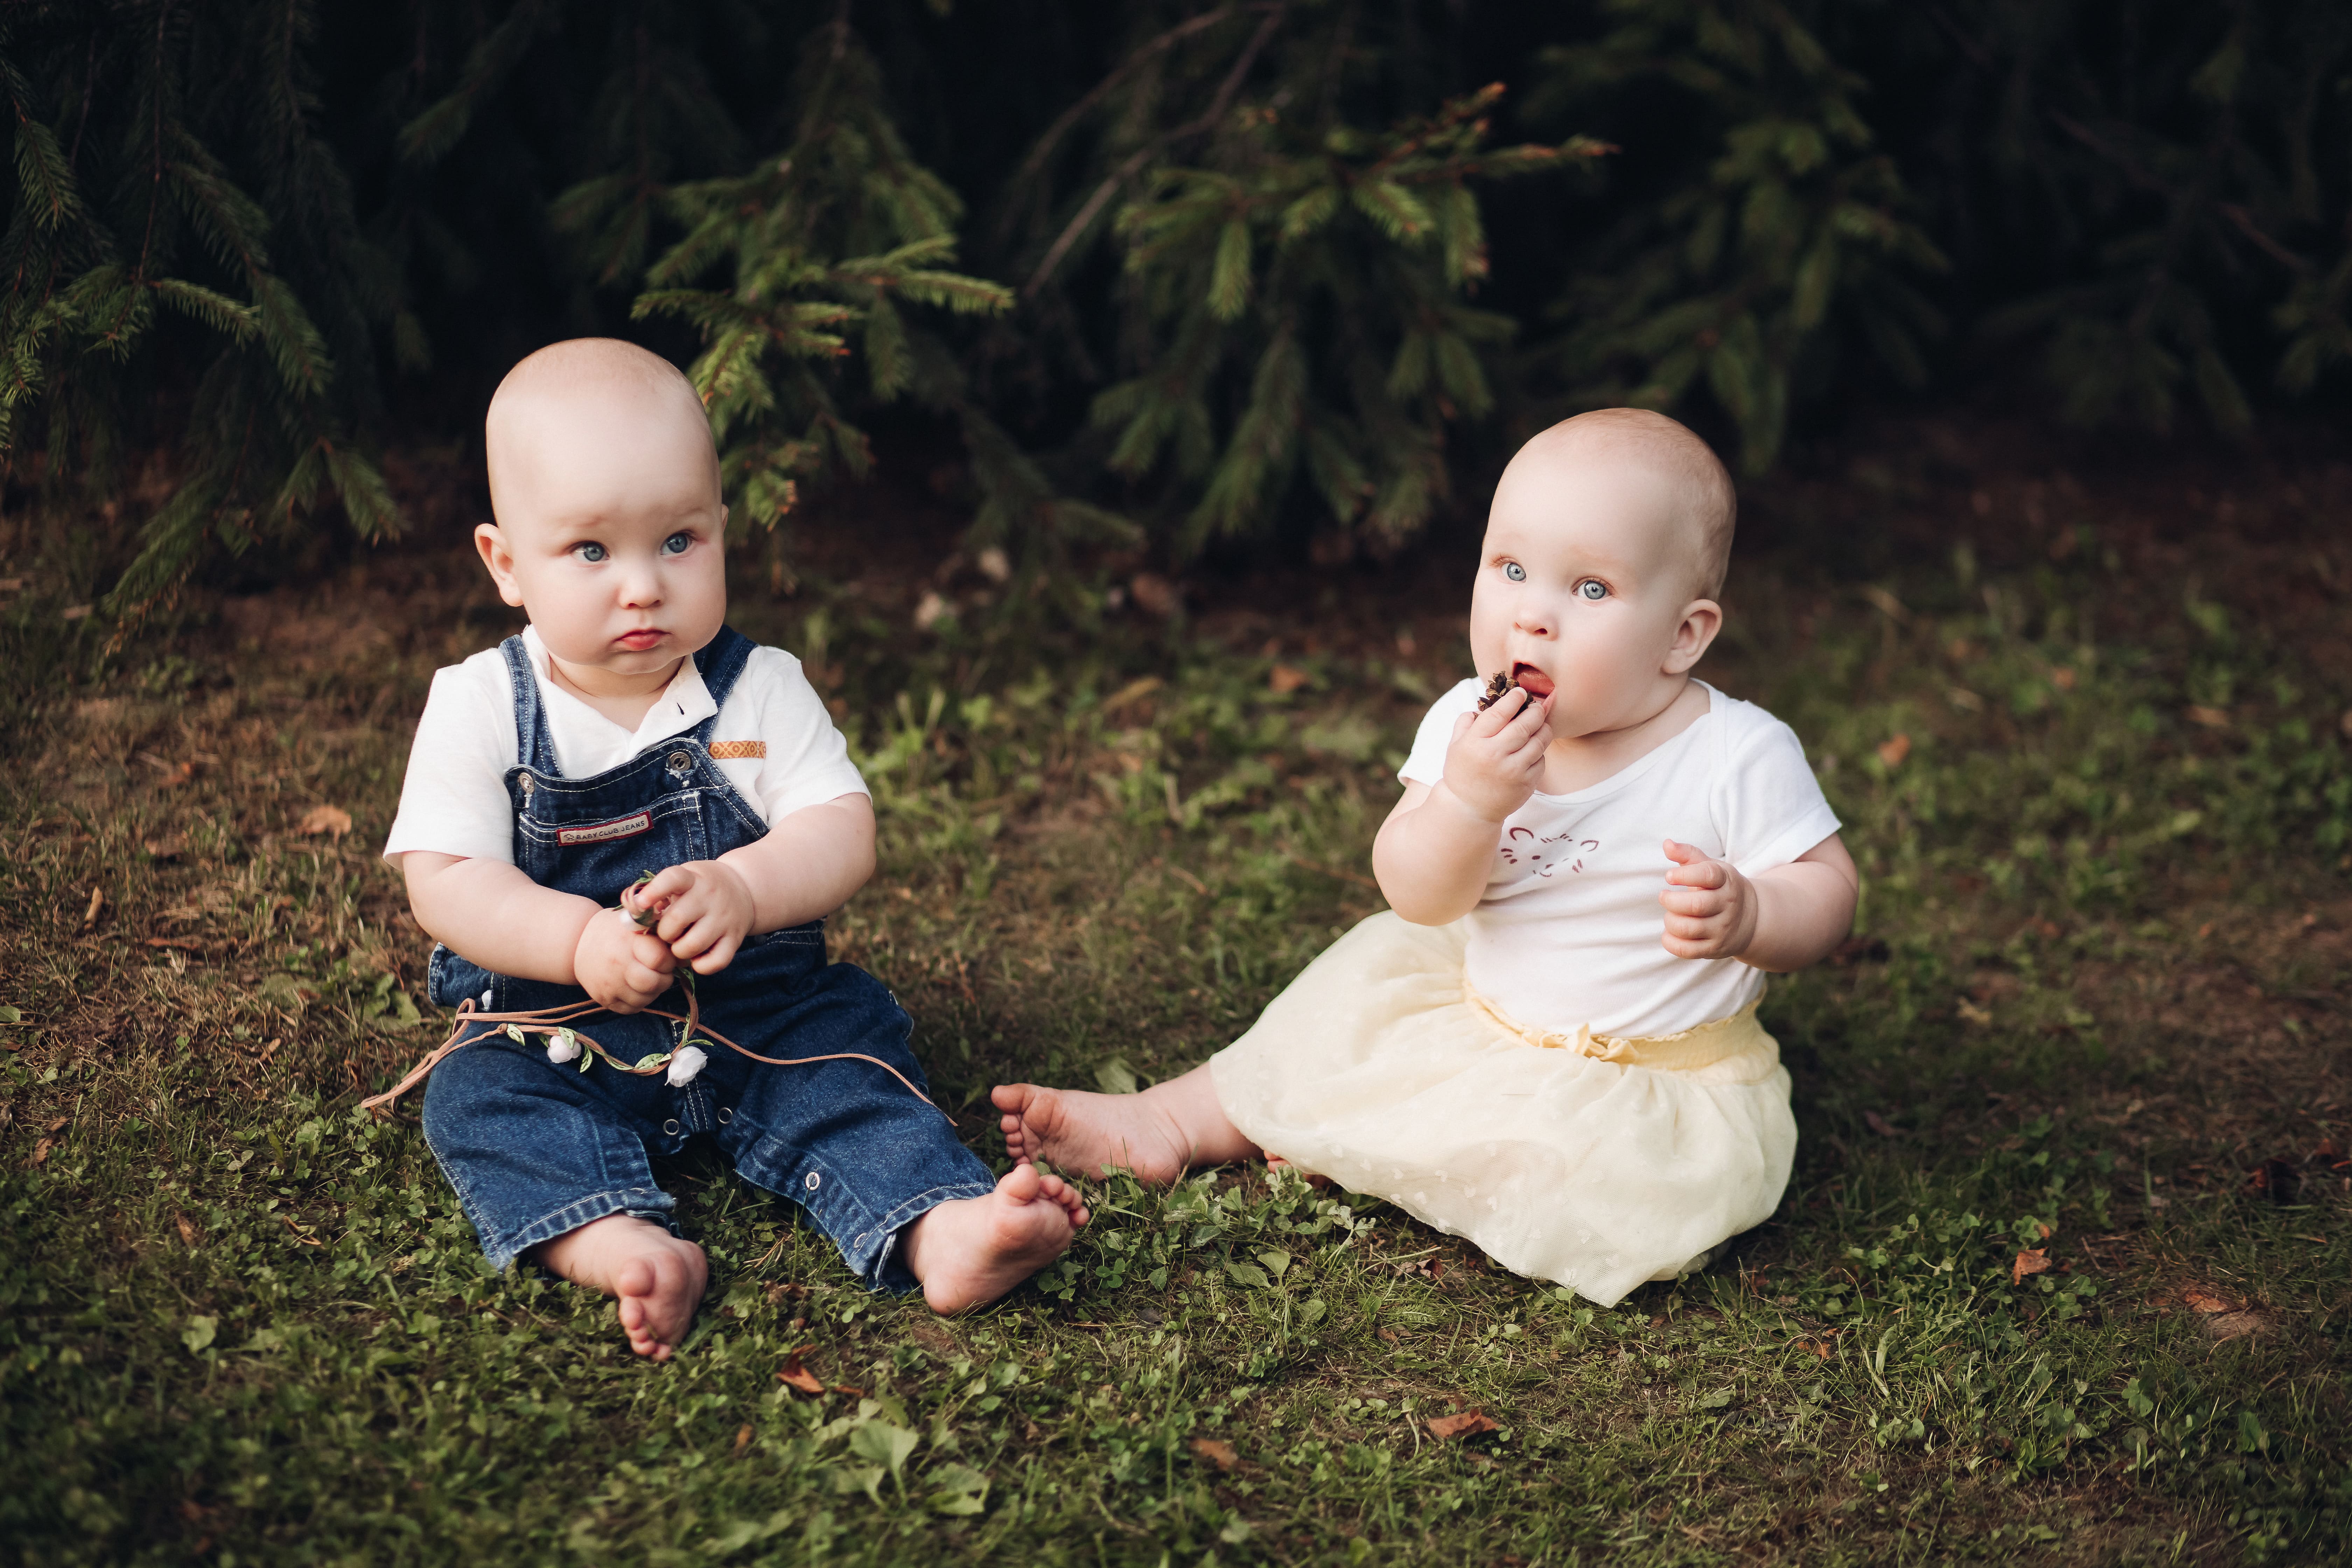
{"points": [[527, 785], [810, 1180], [679, 761], [670, 1127], [725, 1116]]}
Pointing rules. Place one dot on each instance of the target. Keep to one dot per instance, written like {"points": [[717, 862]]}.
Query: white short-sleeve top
{"points": [[455, 800], [1570, 929]]}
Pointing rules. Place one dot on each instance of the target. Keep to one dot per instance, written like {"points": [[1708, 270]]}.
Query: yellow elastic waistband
{"points": [[1738, 1035]]}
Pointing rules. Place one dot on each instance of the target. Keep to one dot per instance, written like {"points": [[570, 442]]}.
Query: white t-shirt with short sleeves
{"points": [[455, 800], [1570, 930]]}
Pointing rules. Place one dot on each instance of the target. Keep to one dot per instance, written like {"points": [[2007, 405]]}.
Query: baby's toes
{"points": [[633, 1324]]}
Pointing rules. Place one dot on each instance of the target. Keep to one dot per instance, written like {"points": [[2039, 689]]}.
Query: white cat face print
{"points": [[1533, 855]]}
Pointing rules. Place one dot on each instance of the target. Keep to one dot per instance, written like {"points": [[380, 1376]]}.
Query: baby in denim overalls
{"points": [[610, 534]]}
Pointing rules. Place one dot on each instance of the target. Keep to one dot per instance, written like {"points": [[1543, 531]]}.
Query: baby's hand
{"points": [[624, 969], [1710, 907], [1496, 757], [706, 910]]}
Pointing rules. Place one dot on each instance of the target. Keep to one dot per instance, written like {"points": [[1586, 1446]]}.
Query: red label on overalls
{"points": [[619, 828]]}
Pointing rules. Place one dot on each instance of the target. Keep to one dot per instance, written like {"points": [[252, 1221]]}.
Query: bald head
{"points": [[1701, 501], [594, 394]]}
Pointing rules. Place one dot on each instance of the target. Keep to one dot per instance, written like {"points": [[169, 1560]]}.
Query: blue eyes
{"points": [[1590, 589], [677, 544]]}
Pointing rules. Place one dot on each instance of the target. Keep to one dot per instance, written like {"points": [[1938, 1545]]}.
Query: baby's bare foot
{"points": [[969, 1251], [657, 1278], [1088, 1133]]}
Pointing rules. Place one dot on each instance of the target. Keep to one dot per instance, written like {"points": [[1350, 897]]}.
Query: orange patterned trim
{"points": [[725, 750]]}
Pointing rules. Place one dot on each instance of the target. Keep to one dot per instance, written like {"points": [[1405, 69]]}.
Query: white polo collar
{"points": [[684, 703]]}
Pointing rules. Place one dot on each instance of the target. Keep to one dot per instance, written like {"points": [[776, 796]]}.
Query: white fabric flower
{"points": [[563, 1046], [685, 1065]]}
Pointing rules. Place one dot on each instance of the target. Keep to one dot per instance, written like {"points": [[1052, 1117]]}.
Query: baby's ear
{"points": [[1702, 618], [490, 542]]}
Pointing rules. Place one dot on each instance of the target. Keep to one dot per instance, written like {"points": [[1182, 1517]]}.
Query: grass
{"points": [[2096, 782]]}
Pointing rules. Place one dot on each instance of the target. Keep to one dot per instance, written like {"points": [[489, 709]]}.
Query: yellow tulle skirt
{"points": [[1593, 1163]]}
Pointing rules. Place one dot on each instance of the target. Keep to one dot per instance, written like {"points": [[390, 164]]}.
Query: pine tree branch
{"points": [[1143, 154], [1068, 118]]}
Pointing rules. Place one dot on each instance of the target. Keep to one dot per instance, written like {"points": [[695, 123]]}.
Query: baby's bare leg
{"points": [[657, 1278], [1158, 1134]]}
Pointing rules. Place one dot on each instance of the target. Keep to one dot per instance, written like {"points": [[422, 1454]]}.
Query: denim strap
{"points": [[533, 750], [722, 664]]}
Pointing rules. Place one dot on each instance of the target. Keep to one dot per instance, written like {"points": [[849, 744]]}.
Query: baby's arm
{"points": [[497, 916], [1777, 920], [805, 866], [1437, 847]]}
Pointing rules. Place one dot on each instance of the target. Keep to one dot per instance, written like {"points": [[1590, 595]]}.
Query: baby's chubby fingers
{"points": [[1697, 903], [1695, 928], [674, 883], [650, 953], [1694, 867], [1507, 709], [708, 947], [1692, 947]]}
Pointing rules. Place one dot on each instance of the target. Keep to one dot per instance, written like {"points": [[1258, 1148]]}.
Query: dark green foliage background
{"points": [[1178, 271]]}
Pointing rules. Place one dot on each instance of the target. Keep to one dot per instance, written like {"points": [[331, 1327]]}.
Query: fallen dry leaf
{"points": [[1469, 1424], [2033, 1261], [742, 1438], [187, 1228], [40, 1153], [2198, 1301], [2276, 1179], [1219, 1454], [97, 903], [168, 848], [1155, 594], [2235, 1325], [1879, 1124], [1893, 750], [1285, 679], [2211, 718], [795, 1375], [331, 820]]}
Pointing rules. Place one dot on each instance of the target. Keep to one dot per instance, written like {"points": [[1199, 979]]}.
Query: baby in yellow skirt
{"points": [[1549, 1044]]}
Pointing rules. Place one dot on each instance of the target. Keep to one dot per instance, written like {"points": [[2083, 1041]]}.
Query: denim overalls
{"points": [[536, 1150]]}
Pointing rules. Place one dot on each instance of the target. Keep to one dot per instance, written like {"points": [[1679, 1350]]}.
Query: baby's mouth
{"points": [[1532, 680], [638, 641]]}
